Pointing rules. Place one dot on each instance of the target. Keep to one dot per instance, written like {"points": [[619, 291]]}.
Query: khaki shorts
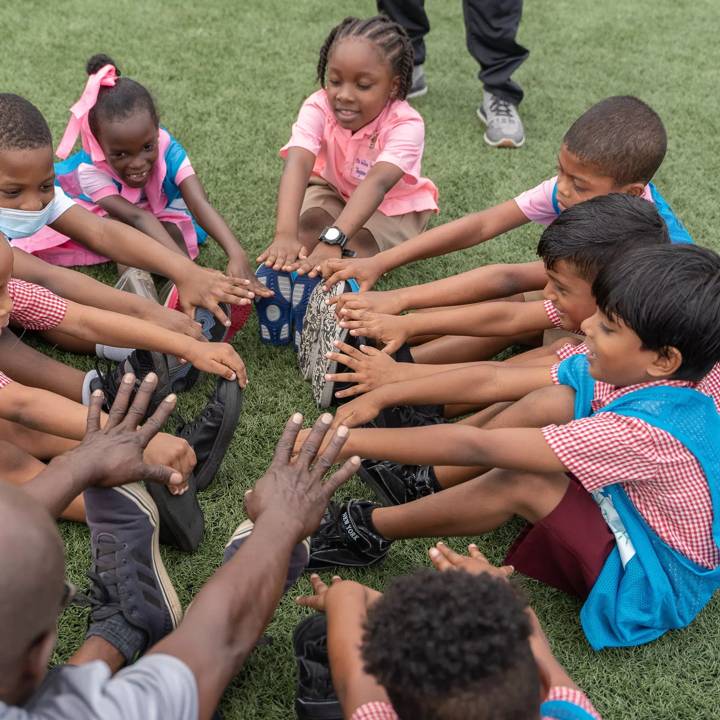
{"points": [[387, 230], [553, 334]]}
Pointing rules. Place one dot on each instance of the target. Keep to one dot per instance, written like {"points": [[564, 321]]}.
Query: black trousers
{"points": [[490, 28]]}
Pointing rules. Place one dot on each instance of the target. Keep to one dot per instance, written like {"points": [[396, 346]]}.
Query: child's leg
{"points": [[30, 367], [19, 467], [474, 507], [40, 445], [458, 349], [176, 234]]}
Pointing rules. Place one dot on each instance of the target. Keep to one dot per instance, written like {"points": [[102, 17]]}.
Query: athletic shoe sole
{"points": [[182, 524], [231, 395], [138, 282], [140, 497], [417, 93], [302, 289], [502, 142], [275, 313]]}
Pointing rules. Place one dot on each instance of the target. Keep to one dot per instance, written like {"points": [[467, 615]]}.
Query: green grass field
{"points": [[229, 78]]}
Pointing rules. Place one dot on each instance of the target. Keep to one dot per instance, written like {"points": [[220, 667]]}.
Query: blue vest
{"points": [[563, 710], [677, 231], [657, 589]]}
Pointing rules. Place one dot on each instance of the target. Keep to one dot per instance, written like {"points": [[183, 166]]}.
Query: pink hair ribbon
{"points": [[106, 76]]}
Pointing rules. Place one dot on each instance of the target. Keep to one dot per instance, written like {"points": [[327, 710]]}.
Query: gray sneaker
{"points": [[127, 574], [504, 126], [299, 557], [138, 282], [419, 84]]}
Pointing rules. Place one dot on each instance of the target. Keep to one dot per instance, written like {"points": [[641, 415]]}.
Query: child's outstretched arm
{"points": [[85, 290], [214, 224], [478, 384], [196, 286], [489, 319], [364, 201], [490, 282], [100, 326], [283, 251], [457, 235]]}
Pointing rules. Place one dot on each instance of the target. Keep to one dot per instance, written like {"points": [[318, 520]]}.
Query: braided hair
{"points": [[119, 101], [390, 38]]}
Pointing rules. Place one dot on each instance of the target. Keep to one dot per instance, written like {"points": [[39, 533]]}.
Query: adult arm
{"points": [[456, 235], [228, 615]]}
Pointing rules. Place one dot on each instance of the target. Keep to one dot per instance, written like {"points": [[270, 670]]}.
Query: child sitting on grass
{"points": [[619, 481], [452, 647], [352, 182], [30, 201], [616, 146]]}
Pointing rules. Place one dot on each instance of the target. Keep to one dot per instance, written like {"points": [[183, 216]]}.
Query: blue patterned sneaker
{"points": [[303, 287], [131, 594], [275, 313], [298, 559]]}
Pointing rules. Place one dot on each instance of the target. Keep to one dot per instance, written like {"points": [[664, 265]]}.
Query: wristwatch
{"points": [[335, 236]]}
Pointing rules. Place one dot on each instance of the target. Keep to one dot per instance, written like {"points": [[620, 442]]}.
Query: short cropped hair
{"points": [[452, 646], [669, 297], [622, 137], [588, 234], [22, 125]]}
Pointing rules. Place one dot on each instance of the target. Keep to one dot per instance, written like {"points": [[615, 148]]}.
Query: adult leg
{"points": [[491, 27], [30, 367], [412, 16]]}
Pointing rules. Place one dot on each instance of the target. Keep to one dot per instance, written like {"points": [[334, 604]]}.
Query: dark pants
{"points": [[490, 27]]}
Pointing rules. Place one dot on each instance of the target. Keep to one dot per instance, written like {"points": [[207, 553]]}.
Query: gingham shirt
{"points": [[34, 308], [552, 313], [385, 711], [661, 477]]}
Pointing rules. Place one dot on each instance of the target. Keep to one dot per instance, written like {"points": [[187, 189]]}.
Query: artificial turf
{"points": [[229, 77]]}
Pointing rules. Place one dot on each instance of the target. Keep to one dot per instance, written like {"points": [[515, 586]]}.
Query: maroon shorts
{"points": [[568, 548]]}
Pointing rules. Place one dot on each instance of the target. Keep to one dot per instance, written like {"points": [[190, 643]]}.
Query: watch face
{"points": [[332, 233]]}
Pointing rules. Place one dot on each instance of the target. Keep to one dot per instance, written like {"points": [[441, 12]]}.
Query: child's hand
{"points": [[371, 369], [207, 288], [443, 558], [310, 265], [239, 267], [387, 302], [316, 601], [366, 271], [358, 411], [175, 321], [391, 330], [173, 452], [282, 253], [218, 359]]}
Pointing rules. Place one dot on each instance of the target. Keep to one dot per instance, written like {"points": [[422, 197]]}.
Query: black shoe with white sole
{"points": [[396, 484]]}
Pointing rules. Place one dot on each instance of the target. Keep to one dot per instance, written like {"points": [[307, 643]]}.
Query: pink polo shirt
{"points": [[343, 158]]}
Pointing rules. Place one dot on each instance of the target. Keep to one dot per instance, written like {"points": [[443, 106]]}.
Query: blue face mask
{"points": [[23, 223]]}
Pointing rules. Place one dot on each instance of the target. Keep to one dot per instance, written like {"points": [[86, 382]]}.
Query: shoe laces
{"points": [[101, 598], [500, 107]]}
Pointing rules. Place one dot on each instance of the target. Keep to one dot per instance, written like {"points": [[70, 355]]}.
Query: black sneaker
{"points": [[345, 539], [140, 363], [127, 573], [298, 558], [210, 433], [396, 484], [407, 416], [182, 523], [315, 698]]}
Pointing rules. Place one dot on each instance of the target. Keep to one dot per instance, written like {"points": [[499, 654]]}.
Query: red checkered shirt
{"points": [[385, 711], [552, 314], [662, 478], [35, 307]]}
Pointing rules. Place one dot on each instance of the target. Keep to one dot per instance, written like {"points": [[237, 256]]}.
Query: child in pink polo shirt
{"points": [[352, 183]]}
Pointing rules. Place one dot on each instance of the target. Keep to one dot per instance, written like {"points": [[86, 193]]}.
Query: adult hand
{"points": [[207, 288], [113, 455], [387, 302], [219, 359], [365, 270], [238, 267], [391, 330], [282, 253], [292, 490], [370, 369], [443, 558]]}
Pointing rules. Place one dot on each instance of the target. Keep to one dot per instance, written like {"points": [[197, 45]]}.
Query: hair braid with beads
{"points": [[389, 37]]}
